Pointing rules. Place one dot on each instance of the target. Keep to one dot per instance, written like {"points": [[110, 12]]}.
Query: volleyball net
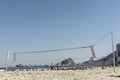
{"points": [[78, 54]]}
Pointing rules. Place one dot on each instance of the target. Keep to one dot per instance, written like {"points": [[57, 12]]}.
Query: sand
{"points": [[93, 74]]}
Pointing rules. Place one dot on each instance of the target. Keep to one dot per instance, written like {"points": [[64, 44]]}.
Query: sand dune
{"points": [[94, 74]]}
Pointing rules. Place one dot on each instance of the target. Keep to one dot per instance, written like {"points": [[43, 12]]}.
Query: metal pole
{"points": [[113, 52], [14, 58], [93, 51], [7, 59]]}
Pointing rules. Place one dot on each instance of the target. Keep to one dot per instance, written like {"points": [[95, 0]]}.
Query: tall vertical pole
{"points": [[113, 52], [14, 58], [7, 59]]}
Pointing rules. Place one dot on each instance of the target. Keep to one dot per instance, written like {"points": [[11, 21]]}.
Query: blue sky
{"points": [[29, 25]]}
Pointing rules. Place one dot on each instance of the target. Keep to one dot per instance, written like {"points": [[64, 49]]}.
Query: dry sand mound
{"points": [[94, 74]]}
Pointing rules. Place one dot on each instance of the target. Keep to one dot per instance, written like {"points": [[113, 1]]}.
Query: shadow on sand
{"points": [[115, 76]]}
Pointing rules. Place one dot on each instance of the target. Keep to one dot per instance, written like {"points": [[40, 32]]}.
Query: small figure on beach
{"points": [[51, 66], [58, 66], [29, 67]]}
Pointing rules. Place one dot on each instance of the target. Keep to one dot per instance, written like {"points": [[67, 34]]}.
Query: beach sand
{"points": [[90, 74]]}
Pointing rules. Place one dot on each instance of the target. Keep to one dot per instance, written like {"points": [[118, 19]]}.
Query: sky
{"points": [[33, 25]]}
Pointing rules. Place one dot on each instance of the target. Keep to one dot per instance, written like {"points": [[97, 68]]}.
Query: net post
{"points": [[93, 51], [14, 59], [7, 59], [113, 52]]}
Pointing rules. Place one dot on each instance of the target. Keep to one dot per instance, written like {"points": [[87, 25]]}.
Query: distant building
{"points": [[118, 52]]}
